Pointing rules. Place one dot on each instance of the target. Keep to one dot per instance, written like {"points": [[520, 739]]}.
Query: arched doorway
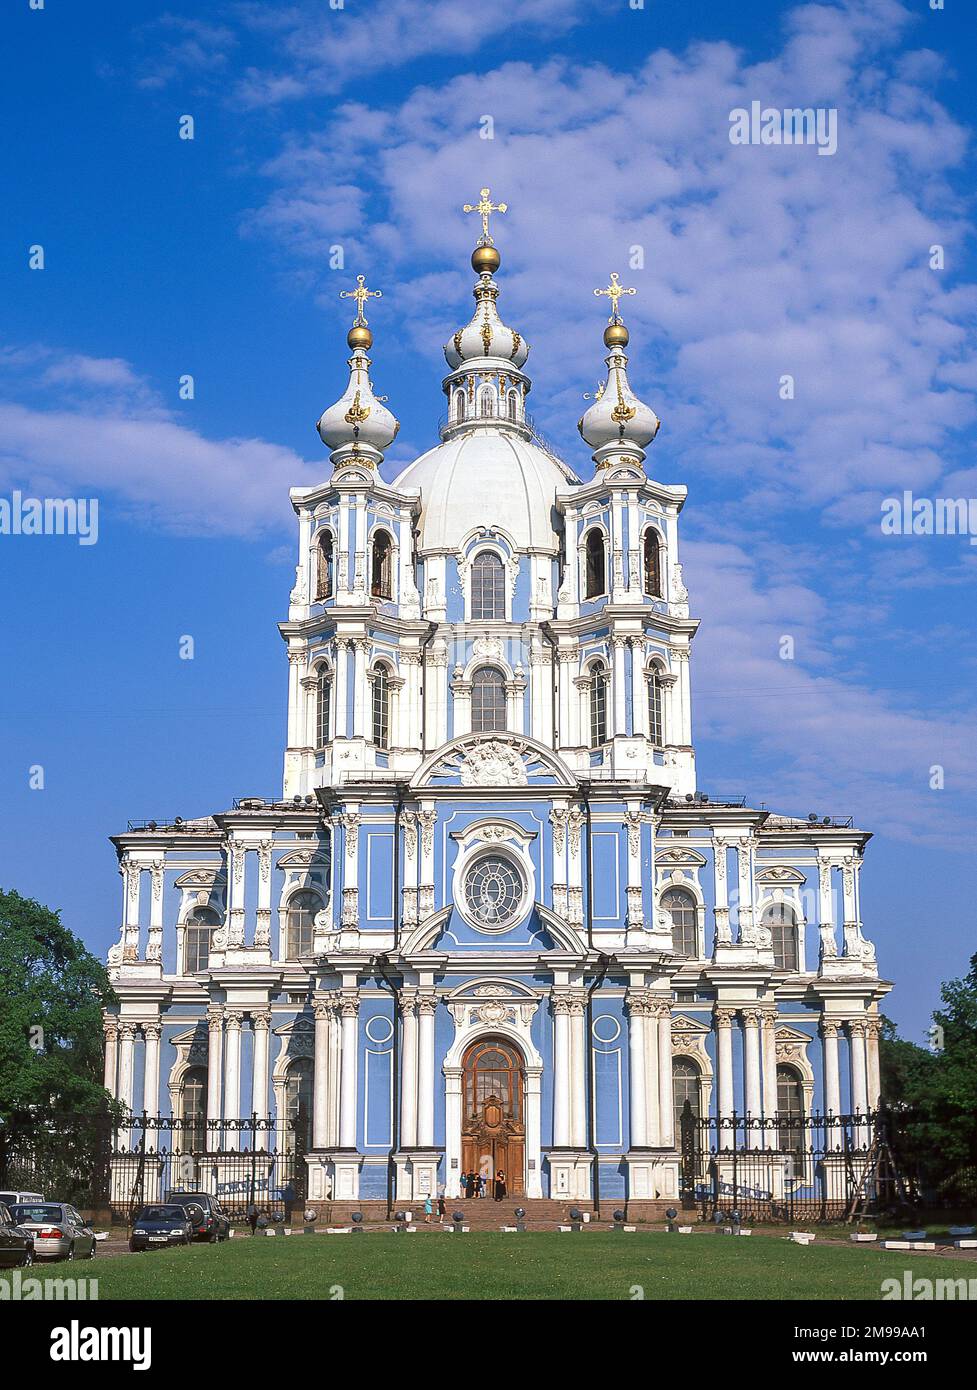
{"points": [[493, 1126]]}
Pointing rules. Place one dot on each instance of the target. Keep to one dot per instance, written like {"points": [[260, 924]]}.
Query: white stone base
{"points": [[333, 1176], [570, 1171], [653, 1174], [417, 1173]]}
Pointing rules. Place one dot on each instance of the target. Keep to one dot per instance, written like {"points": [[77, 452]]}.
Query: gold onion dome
{"points": [[358, 427], [618, 422]]}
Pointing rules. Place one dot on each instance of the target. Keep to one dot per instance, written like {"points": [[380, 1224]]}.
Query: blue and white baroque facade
{"points": [[491, 858]]}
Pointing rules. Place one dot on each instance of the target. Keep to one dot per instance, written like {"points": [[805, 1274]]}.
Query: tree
{"points": [[933, 1093], [53, 992]]}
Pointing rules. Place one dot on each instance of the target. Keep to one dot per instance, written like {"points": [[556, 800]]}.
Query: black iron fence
{"points": [[100, 1163], [812, 1167]]}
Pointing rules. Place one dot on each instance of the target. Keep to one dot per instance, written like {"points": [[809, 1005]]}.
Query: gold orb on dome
{"points": [[616, 335], [485, 259], [359, 336]]}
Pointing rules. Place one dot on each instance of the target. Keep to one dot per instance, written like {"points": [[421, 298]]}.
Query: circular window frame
{"points": [[523, 871]]}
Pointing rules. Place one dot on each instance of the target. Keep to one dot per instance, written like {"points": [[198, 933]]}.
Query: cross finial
{"points": [[615, 289], [485, 207], [361, 294]]}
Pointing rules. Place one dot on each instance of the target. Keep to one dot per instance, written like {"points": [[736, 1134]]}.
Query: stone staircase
{"points": [[485, 1214]]}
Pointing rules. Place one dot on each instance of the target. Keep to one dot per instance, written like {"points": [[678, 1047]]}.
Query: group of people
{"points": [[471, 1185], [478, 1185]]}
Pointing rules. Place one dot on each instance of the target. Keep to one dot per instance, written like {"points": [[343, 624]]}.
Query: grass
{"points": [[494, 1266]]}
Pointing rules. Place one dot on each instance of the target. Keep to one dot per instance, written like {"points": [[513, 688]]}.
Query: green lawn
{"points": [[495, 1266]]}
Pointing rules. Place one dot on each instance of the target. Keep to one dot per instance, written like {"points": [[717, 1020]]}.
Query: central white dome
{"points": [[486, 476]]}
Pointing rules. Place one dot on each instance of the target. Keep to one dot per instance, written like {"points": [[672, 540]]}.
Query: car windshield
{"points": [[162, 1214], [36, 1212]]}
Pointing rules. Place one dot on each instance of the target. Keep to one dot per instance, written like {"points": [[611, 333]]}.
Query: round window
{"points": [[493, 891]]}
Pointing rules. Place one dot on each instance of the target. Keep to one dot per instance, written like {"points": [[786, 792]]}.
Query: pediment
{"points": [[679, 858], [780, 873], [493, 760], [786, 1034], [690, 1027], [201, 878]]}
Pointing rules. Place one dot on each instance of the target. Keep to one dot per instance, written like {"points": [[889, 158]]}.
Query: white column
{"points": [[534, 1177], [408, 1070], [561, 1071], [620, 678], [859, 1073], [324, 1010], [341, 688], [826, 922], [150, 1090], [724, 1036], [578, 1075], [262, 927], [215, 1069], [361, 693], [349, 1010], [232, 1075], [427, 1005], [237, 854], [666, 1106], [832, 1080], [769, 1041], [261, 1029], [653, 1099], [639, 690], [744, 863], [127, 1041], [111, 1057], [751, 1066], [638, 1009], [453, 1122], [873, 1032]]}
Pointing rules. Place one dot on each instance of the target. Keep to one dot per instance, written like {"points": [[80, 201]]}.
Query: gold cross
{"points": [[361, 294], [615, 289], [485, 207]]}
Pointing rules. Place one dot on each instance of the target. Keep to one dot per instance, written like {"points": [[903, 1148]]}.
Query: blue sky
{"points": [[360, 128]]}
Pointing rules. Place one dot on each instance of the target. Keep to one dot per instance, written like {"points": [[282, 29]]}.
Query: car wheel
{"points": [[28, 1259], [94, 1248]]}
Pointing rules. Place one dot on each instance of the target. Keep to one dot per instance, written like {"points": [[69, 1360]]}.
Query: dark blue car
{"points": [[157, 1227]]}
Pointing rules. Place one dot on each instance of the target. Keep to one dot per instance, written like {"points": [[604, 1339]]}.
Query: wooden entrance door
{"points": [[493, 1134]]}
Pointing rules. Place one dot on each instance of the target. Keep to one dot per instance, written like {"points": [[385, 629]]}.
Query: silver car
{"points": [[59, 1231]]}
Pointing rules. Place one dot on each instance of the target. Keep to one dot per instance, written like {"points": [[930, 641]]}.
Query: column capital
{"points": [[725, 1018], [857, 1027], [233, 1018], [325, 1008], [127, 1031], [261, 1020], [427, 1005], [152, 1031], [639, 1002], [349, 1005], [215, 1016], [752, 1018], [111, 1030], [830, 1027]]}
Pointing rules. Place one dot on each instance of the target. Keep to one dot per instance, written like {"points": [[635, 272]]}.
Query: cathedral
{"points": [[492, 925]]}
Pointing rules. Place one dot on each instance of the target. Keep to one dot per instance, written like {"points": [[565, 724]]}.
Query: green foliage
{"points": [[52, 992], [936, 1091]]}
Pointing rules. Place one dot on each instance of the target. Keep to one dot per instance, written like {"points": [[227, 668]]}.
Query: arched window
{"points": [[323, 705], [681, 907], [656, 719], [381, 566], [381, 706], [652, 564], [685, 1087], [298, 1102], [790, 1110], [598, 704], [488, 587], [459, 399], [512, 403], [193, 1110], [596, 579], [324, 566], [196, 939], [781, 919], [486, 402], [302, 908], [488, 701]]}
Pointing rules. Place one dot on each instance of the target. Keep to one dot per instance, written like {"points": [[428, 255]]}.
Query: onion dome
{"points": [[618, 424], [358, 427], [486, 335]]}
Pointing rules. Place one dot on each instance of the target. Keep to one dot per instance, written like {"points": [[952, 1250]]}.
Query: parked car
{"points": [[60, 1232], [13, 1199], [209, 1219], [16, 1244], [161, 1225]]}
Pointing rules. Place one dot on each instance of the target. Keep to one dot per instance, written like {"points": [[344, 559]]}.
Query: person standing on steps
{"points": [[500, 1186]]}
